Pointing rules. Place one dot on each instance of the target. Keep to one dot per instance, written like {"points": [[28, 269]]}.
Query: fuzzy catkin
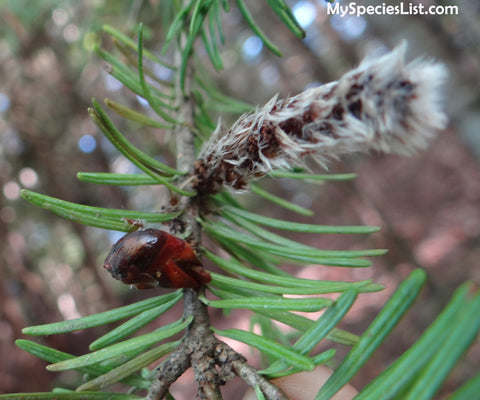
{"points": [[384, 104]]}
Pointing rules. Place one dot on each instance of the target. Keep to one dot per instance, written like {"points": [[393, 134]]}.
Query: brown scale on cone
{"points": [[150, 258]]}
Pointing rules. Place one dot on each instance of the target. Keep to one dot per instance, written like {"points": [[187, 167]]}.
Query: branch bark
{"points": [[199, 349]]}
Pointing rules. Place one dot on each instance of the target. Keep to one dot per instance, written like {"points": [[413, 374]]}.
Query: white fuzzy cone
{"points": [[384, 104]]}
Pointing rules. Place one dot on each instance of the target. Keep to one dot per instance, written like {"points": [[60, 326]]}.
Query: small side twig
{"points": [[229, 359], [202, 351], [176, 364]]}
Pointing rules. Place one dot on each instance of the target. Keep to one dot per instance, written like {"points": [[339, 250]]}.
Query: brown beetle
{"points": [[151, 257]]}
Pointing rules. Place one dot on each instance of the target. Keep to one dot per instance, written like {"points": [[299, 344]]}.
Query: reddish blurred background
{"points": [[428, 206]]}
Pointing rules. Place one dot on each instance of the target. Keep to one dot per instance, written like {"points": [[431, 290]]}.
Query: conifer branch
{"points": [[199, 349], [384, 104]]}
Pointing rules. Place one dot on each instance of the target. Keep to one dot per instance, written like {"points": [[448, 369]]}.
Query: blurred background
{"points": [[428, 205]]}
